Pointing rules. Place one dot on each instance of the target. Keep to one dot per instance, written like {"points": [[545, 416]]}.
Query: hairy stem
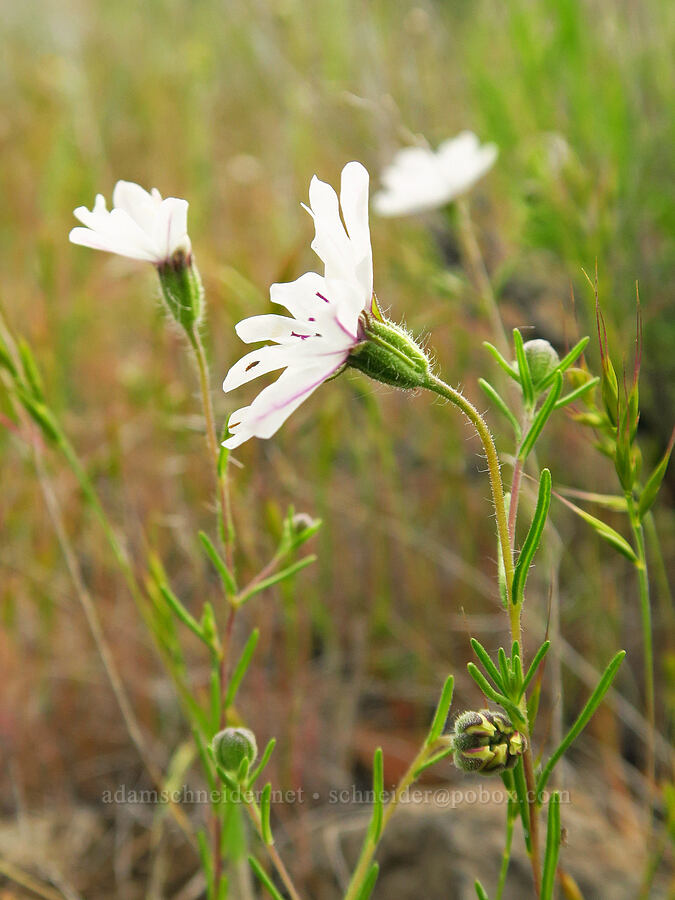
{"points": [[444, 390]]}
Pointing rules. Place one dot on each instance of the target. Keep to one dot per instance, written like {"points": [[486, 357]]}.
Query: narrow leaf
{"points": [[608, 534], [509, 369], [226, 576], [534, 665], [520, 787], [583, 718], [241, 667], [578, 392], [265, 809], [375, 829], [653, 485], [442, 710], [275, 579], [568, 360], [500, 404], [181, 612], [369, 882], [480, 891], [523, 369], [552, 848], [533, 538], [264, 759], [540, 419], [490, 667], [491, 694], [264, 878]]}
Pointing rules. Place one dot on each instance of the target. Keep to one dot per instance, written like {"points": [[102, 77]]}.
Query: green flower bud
{"points": [[486, 742], [234, 745], [182, 289], [541, 358], [388, 353]]}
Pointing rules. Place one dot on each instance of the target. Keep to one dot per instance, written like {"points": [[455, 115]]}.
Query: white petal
{"points": [[330, 243], [300, 297], [271, 328], [85, 237], [275, 403], [175, 212], [257, 362], [137, 202], [354, 203]]}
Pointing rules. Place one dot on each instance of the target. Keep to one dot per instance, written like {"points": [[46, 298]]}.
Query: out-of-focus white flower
{"points": [[140, 225], [419, 179], [315, 343]]}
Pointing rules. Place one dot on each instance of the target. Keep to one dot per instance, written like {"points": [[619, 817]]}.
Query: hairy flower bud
{"points": [[233, 745], [388, 353], [486, 742], [182, 289], [541, 358]]}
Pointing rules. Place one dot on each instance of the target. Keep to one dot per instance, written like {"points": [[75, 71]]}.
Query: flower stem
{"points": [[222, 481], [444, 390]]}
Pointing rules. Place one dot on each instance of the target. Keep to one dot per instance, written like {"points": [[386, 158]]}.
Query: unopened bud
{"points": [[541, 358], [182, 289], [234, 745], [486, 742]]}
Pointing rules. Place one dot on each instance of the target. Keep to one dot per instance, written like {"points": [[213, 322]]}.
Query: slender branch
{"points": [[444, 390], [646, 616], [222, 482]]}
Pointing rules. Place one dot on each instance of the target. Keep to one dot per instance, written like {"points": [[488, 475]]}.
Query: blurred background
{"points": [[234, 105]]}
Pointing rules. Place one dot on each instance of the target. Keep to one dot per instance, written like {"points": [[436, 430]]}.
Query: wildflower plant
{"points": [[335, 322]]}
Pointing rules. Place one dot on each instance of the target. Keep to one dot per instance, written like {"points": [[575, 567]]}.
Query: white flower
{"points": [[315, 343], [141, 225], [419, 179]]}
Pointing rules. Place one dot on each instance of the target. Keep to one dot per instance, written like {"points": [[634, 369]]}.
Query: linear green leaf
{"points": [[500, 404], [436, 758], [510, 371], [480, 890], [276, 578], [564, 364], [534, 665], [375, 829], [533, 538], [490, 667], [369, 882], [264, 878], [583, 718], [540, 419], [181, 612], [265, 809], [264, 759], [523, 369], [441, 714], [653, 484], [578, 392], [491, 694], [606, 533], [552, 848], [241, 667], [226, 576], [520, 787]]}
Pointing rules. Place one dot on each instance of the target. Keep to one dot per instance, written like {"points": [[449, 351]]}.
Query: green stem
{"points": [[444, 390], [222, 481], [370, 846], [646, 616]]}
